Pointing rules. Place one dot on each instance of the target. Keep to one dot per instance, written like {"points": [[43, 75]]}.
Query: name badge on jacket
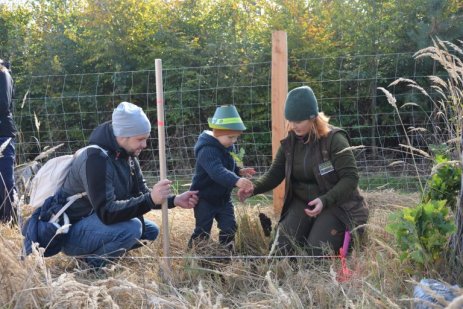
{"points": [[325, 168]]}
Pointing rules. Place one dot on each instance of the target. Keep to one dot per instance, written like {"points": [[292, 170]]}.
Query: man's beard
{"points": [[134, 153]]}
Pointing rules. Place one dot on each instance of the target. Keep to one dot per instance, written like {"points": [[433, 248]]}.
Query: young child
{"points": [[216, 174]]}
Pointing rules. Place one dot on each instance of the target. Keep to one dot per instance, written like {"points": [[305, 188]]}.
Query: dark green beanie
{"points": [[301, 104]]}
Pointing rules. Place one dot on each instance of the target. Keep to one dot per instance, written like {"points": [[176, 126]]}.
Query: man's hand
{"points": [[243, 194], [187, 199], [160, 191]]}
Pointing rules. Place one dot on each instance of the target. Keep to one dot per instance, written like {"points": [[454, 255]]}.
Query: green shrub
{"points": [[444, 183], [422, 232]]}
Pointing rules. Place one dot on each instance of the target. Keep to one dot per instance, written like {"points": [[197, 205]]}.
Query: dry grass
{"points": [[379, 279], [250, 280]]}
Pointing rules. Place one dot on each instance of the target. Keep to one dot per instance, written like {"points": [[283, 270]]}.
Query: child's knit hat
{"points": [[226, 117]]}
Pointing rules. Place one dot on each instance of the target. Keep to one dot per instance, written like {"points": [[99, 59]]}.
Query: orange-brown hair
{"points": [[220, 132], [319, 127]]}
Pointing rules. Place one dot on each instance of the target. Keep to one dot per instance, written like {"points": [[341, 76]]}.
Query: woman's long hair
{"points": [[319, 127]]}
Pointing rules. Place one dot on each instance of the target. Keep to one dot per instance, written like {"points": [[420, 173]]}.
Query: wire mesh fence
{"points": [[55, 109]]}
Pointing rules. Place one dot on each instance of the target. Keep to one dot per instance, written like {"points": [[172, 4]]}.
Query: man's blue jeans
{"points": [[7, 180], [99, 243]]}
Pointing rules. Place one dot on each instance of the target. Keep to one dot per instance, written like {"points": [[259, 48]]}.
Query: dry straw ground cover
{"points": [[379, 279]]}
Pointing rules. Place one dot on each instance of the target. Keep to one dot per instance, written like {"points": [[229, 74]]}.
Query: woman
{"points": [[322, 199]]}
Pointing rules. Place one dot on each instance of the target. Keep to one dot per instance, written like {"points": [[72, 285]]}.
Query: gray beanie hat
{"points": [[130, 120], [301, 104]]}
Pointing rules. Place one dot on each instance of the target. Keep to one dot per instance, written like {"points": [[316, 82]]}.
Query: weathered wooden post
{"points": [[162, 158], [279, 92]]}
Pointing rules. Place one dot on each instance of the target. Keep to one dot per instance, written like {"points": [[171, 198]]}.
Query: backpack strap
{"points": [[78, 152], [70, 200]]}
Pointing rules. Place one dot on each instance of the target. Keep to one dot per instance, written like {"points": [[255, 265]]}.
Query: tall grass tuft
{"points": [[446, 96]]}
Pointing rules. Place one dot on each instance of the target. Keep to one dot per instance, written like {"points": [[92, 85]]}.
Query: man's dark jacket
{"points": [[116, 189]]}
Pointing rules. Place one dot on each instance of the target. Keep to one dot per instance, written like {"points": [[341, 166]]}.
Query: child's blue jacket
{"points": [[216, 172]]}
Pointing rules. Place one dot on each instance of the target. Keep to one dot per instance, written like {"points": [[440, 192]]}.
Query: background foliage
{"points": [[61, 48], [360, 46], [74, 36]]}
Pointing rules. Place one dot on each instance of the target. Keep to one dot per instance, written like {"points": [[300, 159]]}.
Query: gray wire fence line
{"points": [[55, 109]]}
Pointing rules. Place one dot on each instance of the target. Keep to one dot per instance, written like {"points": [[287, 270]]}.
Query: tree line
{"points": [[75, 36], [49, 37]]}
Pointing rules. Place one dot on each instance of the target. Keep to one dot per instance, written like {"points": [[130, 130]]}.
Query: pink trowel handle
{"points": [[345, 245]]}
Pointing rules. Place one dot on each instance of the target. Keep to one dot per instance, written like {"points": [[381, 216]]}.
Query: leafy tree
{"points": [[13, 33]]}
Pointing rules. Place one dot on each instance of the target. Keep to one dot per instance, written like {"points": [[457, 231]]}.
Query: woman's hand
{"points": [[245, 184], [315, 207], [244, 194]]}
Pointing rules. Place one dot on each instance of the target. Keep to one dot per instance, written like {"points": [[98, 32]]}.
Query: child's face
{"points": [[228, 140]]}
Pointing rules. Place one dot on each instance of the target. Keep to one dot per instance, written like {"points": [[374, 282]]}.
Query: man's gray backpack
{"points": [[49, 222]]}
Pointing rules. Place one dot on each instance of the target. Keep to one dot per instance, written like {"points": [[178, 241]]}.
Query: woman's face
{"points": [[301, 128]]}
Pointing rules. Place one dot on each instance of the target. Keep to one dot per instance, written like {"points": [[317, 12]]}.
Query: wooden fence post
{"points": [[279, 92], [162, 158]]}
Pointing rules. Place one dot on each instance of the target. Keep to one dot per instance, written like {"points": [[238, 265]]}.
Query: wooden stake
{"points": [[162, 157]]}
